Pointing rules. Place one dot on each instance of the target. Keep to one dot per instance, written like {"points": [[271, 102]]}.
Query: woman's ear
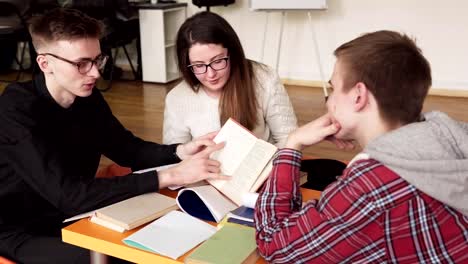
{"points": [[361, 96], [43, 63]]}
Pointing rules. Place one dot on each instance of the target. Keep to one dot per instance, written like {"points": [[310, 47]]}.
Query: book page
{"points": [[239, 142], [155, 168], [79, 216], [249, 199], [171, 235], [262, 177], [247, 172], [243, 213], [107, 224]]}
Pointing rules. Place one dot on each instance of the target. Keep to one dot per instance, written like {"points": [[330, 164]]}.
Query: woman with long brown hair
{"points": [[221, 83]]}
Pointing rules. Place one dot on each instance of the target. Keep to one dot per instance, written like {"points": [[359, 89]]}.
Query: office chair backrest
{"points": [[102, 9], [42, 6], [12, 15], [98, 9], [321, 172], [208, 3], [13, 29]]}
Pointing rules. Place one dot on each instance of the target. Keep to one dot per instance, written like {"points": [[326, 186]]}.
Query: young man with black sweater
{"points": [[53, 131]]}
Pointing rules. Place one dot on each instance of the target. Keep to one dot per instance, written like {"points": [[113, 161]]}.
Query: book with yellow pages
{"points": [[245, 158], [133, 212]]}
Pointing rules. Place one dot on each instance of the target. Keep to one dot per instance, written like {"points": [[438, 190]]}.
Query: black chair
{"points": [[14, 30], [209, 3], [38, 7], [321, 172], [121, 29], [123, 34]]}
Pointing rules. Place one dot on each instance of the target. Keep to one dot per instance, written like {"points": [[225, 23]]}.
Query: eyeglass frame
{"points": [[78, 65], [209, 65]]}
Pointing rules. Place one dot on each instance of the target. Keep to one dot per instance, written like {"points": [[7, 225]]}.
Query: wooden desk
{"points": [[86, 234]]}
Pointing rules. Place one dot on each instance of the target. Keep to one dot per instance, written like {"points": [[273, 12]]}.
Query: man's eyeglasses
{"points": [[84, 65], [217, 65]]}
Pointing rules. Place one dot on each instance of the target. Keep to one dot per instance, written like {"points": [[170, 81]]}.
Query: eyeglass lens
{"points": [[86, 65], [215, 65]]}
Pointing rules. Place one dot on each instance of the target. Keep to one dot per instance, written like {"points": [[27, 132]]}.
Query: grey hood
{"points": [[432, 155]]}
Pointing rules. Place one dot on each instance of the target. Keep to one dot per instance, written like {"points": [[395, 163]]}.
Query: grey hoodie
{"points": [[432, 155]]}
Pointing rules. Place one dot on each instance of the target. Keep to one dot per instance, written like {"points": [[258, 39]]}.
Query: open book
{"points": [[133, 212], [245, 157], [204, 202], [207, 203]]}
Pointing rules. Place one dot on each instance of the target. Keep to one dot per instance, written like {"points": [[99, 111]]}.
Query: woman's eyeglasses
{"points": [[217, 65]]}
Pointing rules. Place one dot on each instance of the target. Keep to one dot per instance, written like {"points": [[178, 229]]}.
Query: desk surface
{"points": [[86, 234]]}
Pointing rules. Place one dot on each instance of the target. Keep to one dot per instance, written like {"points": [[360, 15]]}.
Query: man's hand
{"points": [[195, 168], [188, 149], [316, 131]]}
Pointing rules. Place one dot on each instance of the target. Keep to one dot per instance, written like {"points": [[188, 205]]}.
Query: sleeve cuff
{"points": [[289, 156], [175, 157], [147, 182]]}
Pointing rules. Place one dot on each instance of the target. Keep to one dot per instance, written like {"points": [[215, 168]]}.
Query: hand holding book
{"points": [[246, 158], [195, 166], [195, 146]]}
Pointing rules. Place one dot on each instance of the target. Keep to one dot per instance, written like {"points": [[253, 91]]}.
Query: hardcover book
{"points": [[133, 212]]}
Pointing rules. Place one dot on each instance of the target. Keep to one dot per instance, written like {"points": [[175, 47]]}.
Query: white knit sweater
{"points": [[188, 115]]}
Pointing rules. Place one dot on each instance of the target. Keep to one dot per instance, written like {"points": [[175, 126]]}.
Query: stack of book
{"points": [[242, 215]]}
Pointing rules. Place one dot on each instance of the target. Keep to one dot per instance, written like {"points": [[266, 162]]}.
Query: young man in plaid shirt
{"points": [[404, 199]]}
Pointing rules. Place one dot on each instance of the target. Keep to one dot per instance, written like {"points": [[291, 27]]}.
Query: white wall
{"points": [[440, 27]]}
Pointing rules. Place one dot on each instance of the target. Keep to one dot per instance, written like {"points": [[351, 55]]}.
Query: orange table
{"points": [[86, 234]]}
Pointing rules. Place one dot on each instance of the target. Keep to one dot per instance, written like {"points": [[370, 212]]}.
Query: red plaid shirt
{"points": [[369, 215]]}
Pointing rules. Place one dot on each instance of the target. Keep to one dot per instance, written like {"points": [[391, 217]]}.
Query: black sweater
{"points": [[49, 156]]}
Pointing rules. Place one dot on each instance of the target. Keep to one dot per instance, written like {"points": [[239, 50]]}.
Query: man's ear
{"points": [[43, 63], [361, 96]]}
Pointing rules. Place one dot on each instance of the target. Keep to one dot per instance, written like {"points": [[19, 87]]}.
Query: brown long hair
{"points": [[393, 69], [238, 99]]}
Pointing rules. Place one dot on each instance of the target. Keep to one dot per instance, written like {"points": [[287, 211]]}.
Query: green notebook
{"points": [[229, 245]]}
